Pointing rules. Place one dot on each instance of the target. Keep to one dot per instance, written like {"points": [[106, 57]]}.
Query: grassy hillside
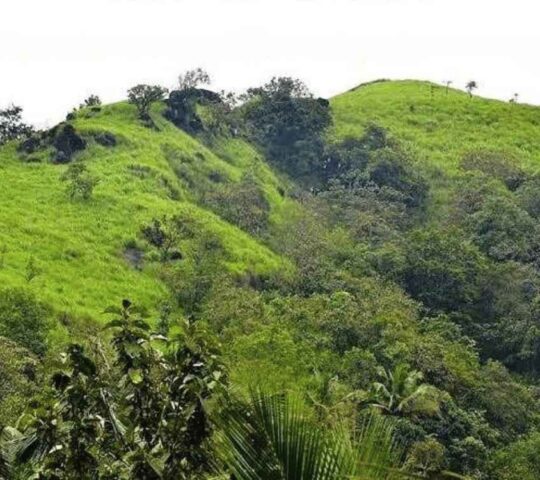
{"points": [[78, 246], [439, 126]]}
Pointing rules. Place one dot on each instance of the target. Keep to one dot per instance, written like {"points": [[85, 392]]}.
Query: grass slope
{"points": [[439, 125], [78, 246]]}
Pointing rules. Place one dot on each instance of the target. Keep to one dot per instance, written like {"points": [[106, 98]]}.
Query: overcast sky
{"points": [[54, 53]]}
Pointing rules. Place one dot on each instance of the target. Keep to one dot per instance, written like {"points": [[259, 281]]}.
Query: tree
{"points": [[448, 83], [165, 234], [472, 85], [400, 392], [193, 78], [503, 231], [519, 460], [142, 415], [11, 125], [244, 204], [143, 96]]}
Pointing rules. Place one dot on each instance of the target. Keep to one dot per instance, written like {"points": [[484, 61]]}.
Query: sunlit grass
{"points": [[78, 246]]}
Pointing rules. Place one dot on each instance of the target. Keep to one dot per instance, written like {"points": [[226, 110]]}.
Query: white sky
{"points": [[54, 53]]}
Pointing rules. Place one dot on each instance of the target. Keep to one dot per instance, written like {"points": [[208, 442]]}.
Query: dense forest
{"points": [[204, 285]]}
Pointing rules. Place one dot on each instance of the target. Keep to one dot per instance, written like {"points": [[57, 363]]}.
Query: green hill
{"points": [[377, 252], [78, 247], [439, 125]]}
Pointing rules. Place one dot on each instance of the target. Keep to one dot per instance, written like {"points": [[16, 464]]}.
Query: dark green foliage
{"points": [[284, 118], [62, 141], [528, 196], [496, 164], [24, 319], [91, 101], [244, 204], [518, 461], [11, 125], [182, 107], [106, 139], [389, 169], [503, 231], [376, 163], [143, 416], [143, 96], [193, 282], [165, 234], [372, 186], [441, 269]]}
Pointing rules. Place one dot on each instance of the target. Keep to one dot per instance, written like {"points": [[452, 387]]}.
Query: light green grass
{"points": [[78, 245], [440, 126]]}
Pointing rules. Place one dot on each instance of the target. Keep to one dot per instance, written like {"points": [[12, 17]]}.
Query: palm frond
{"points": [[272, 437]]}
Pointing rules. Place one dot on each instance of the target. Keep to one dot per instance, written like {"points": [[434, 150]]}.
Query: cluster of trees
{"points": [[149, 405]]}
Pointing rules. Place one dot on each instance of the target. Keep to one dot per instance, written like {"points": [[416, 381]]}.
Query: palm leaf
{"points": [[273, 438]]}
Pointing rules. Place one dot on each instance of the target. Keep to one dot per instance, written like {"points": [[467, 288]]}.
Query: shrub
{"points": [[91, 101], [442, 269], [243, 204], [165, 234], [497, 164], [17, 375], [24, 319], [80, 182]]}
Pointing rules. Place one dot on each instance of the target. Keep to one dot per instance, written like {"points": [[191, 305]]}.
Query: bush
{"points": [[496, 164], [91, 101], [518, 461], [80, 182], [243, 204], [17, 379], [504, 231], [24, 319], [165, 234]]}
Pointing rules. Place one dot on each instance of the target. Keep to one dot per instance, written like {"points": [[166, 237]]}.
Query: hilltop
{"points": [[440, 124]]}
